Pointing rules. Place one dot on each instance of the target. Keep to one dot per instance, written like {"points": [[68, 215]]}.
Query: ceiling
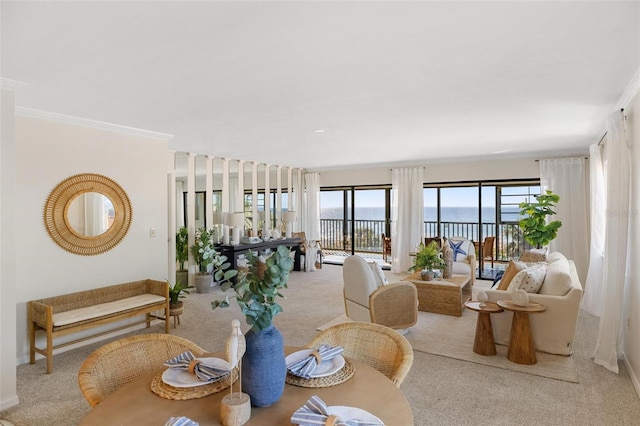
{"points": [[324, 85]]}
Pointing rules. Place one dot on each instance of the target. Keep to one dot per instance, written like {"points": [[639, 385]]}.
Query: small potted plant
{"points": [[182, 254], [176, 306], [428, 257], [203, 254]]}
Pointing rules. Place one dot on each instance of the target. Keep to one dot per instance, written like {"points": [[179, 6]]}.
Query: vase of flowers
{"points": [[263, 367], [203, 255]]}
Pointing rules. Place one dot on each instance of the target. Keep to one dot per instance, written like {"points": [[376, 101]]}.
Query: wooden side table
{"points": [[521, 348], [484, 343]]}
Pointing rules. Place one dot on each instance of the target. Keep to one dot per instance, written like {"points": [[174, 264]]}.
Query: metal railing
{"points": [[335, 234]]}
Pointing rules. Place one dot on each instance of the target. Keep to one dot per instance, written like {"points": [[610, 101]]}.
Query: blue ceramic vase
{"points": [[263, 366]]}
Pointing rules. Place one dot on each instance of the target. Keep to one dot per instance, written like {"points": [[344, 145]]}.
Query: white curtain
{"points": [[408, 215], [179, 204], [235, 205], [616, 254], [567, 177], [311, 209], [594, 284]]}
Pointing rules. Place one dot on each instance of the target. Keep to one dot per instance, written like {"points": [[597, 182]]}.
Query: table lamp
{"points": [[236, 223], [288, 218]]}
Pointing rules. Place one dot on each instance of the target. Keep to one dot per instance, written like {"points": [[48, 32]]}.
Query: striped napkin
{"points": [[187, 361], [314, 412], [180, 421], [306, 366]]}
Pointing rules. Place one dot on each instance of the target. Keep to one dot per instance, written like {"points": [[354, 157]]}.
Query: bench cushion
{"points": [[96, 311]]}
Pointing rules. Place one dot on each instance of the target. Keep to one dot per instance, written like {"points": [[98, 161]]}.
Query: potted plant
{"points": [[182, 254], [256, 291], [203, 254], [428, 257], [535, 229], [177, 292]]}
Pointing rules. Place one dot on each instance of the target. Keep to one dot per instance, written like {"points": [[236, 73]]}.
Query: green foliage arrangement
{"points": [[257, 289], [203, 251], [182, 247], [177, 291], [428, 257], [536, 230]]}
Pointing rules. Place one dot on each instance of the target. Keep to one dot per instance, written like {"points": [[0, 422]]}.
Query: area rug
{"points": [[452, 337]]}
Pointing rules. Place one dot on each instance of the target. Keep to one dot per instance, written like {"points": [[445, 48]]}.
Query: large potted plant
{"points": [[256, 291], [182, 254], [203, 254], [535, 229], [427, 259]]}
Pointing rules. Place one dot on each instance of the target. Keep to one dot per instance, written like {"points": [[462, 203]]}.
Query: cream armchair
{"points": [[464, 256], [368, 298]]}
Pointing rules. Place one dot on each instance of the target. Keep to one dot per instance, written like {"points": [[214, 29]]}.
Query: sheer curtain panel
{"points": [[567, 177], [312, 206], [408, 215], [593, 285], [616, 254]]}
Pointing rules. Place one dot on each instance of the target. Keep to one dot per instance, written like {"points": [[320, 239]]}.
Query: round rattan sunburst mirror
{"points": [[107, 198]]}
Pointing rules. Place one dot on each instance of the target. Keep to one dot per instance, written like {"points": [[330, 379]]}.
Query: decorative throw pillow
{"points": [[534, 255], [557, 281], [529, 279], [378, 274], [512, 269], [460, 249]]}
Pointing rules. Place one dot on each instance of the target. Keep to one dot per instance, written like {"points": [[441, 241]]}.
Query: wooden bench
{"points": [[74, 312]]}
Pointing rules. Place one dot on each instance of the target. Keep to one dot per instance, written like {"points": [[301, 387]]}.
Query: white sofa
{"points": [[554, 329]]}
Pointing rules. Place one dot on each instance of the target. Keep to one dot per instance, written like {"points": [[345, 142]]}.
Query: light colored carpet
{"points": [[441, 390], [452, 337]]}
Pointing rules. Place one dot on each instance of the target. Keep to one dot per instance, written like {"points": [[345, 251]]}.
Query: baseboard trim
{"points": [[8, 403], [632, 374]]}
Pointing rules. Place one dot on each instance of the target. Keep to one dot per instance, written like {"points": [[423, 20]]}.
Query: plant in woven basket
{"points": [[182, 247], [177, 292], [428, 257], [257, 288], [534, 225]]}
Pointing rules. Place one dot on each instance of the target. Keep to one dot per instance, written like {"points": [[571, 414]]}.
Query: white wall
{"points": [[8, 393], [632, 302], [48, 152], [438, 172]]}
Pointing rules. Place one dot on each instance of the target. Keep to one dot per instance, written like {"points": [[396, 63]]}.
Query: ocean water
{"points": [[449, 214]]}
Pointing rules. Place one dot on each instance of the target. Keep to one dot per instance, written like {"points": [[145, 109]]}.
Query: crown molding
{"points": [[13, 85], [632, 89], [68, 119]]}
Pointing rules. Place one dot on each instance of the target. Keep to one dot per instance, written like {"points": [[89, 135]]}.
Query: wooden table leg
{"points": [[484, 344], [521, 349]]}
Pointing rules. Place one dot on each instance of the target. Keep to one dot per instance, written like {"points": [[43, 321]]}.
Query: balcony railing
{"points": [[335, 234]]}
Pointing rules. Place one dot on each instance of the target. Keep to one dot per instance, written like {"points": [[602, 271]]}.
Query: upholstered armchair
{"points": [[464, 256], [369, 298]]}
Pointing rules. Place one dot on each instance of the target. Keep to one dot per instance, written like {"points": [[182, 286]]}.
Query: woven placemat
{"points": [[166, 391], [336, 378]]}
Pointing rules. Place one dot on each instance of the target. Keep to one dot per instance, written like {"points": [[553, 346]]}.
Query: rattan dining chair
{"points": [[117, 363], [378, 346]]}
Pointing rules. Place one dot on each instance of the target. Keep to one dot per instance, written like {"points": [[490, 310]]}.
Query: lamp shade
{"points": [[236, 220], [289, 216]]}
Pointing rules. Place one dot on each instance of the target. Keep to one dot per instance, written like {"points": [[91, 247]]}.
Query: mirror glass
{"points": [[90, 214]]}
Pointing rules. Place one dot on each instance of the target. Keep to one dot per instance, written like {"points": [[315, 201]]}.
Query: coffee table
{"points": [[442, 296], [484, 343], [521, 348]]}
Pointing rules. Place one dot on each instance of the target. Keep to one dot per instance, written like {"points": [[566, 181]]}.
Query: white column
{"points": [[254, 197], [278, 195], [267, 200], [240, 206], [208, 210], [171, 215], [191, 208], [225, 199]]}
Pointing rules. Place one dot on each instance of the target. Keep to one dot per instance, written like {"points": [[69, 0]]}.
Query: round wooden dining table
{"points": [[368, 389]]}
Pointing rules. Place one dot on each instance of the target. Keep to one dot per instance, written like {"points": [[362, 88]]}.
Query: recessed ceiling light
{"points": [[319, 130]]}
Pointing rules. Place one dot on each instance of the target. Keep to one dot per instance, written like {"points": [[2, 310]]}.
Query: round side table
{"points": [[484, 343], [521, 348]]}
